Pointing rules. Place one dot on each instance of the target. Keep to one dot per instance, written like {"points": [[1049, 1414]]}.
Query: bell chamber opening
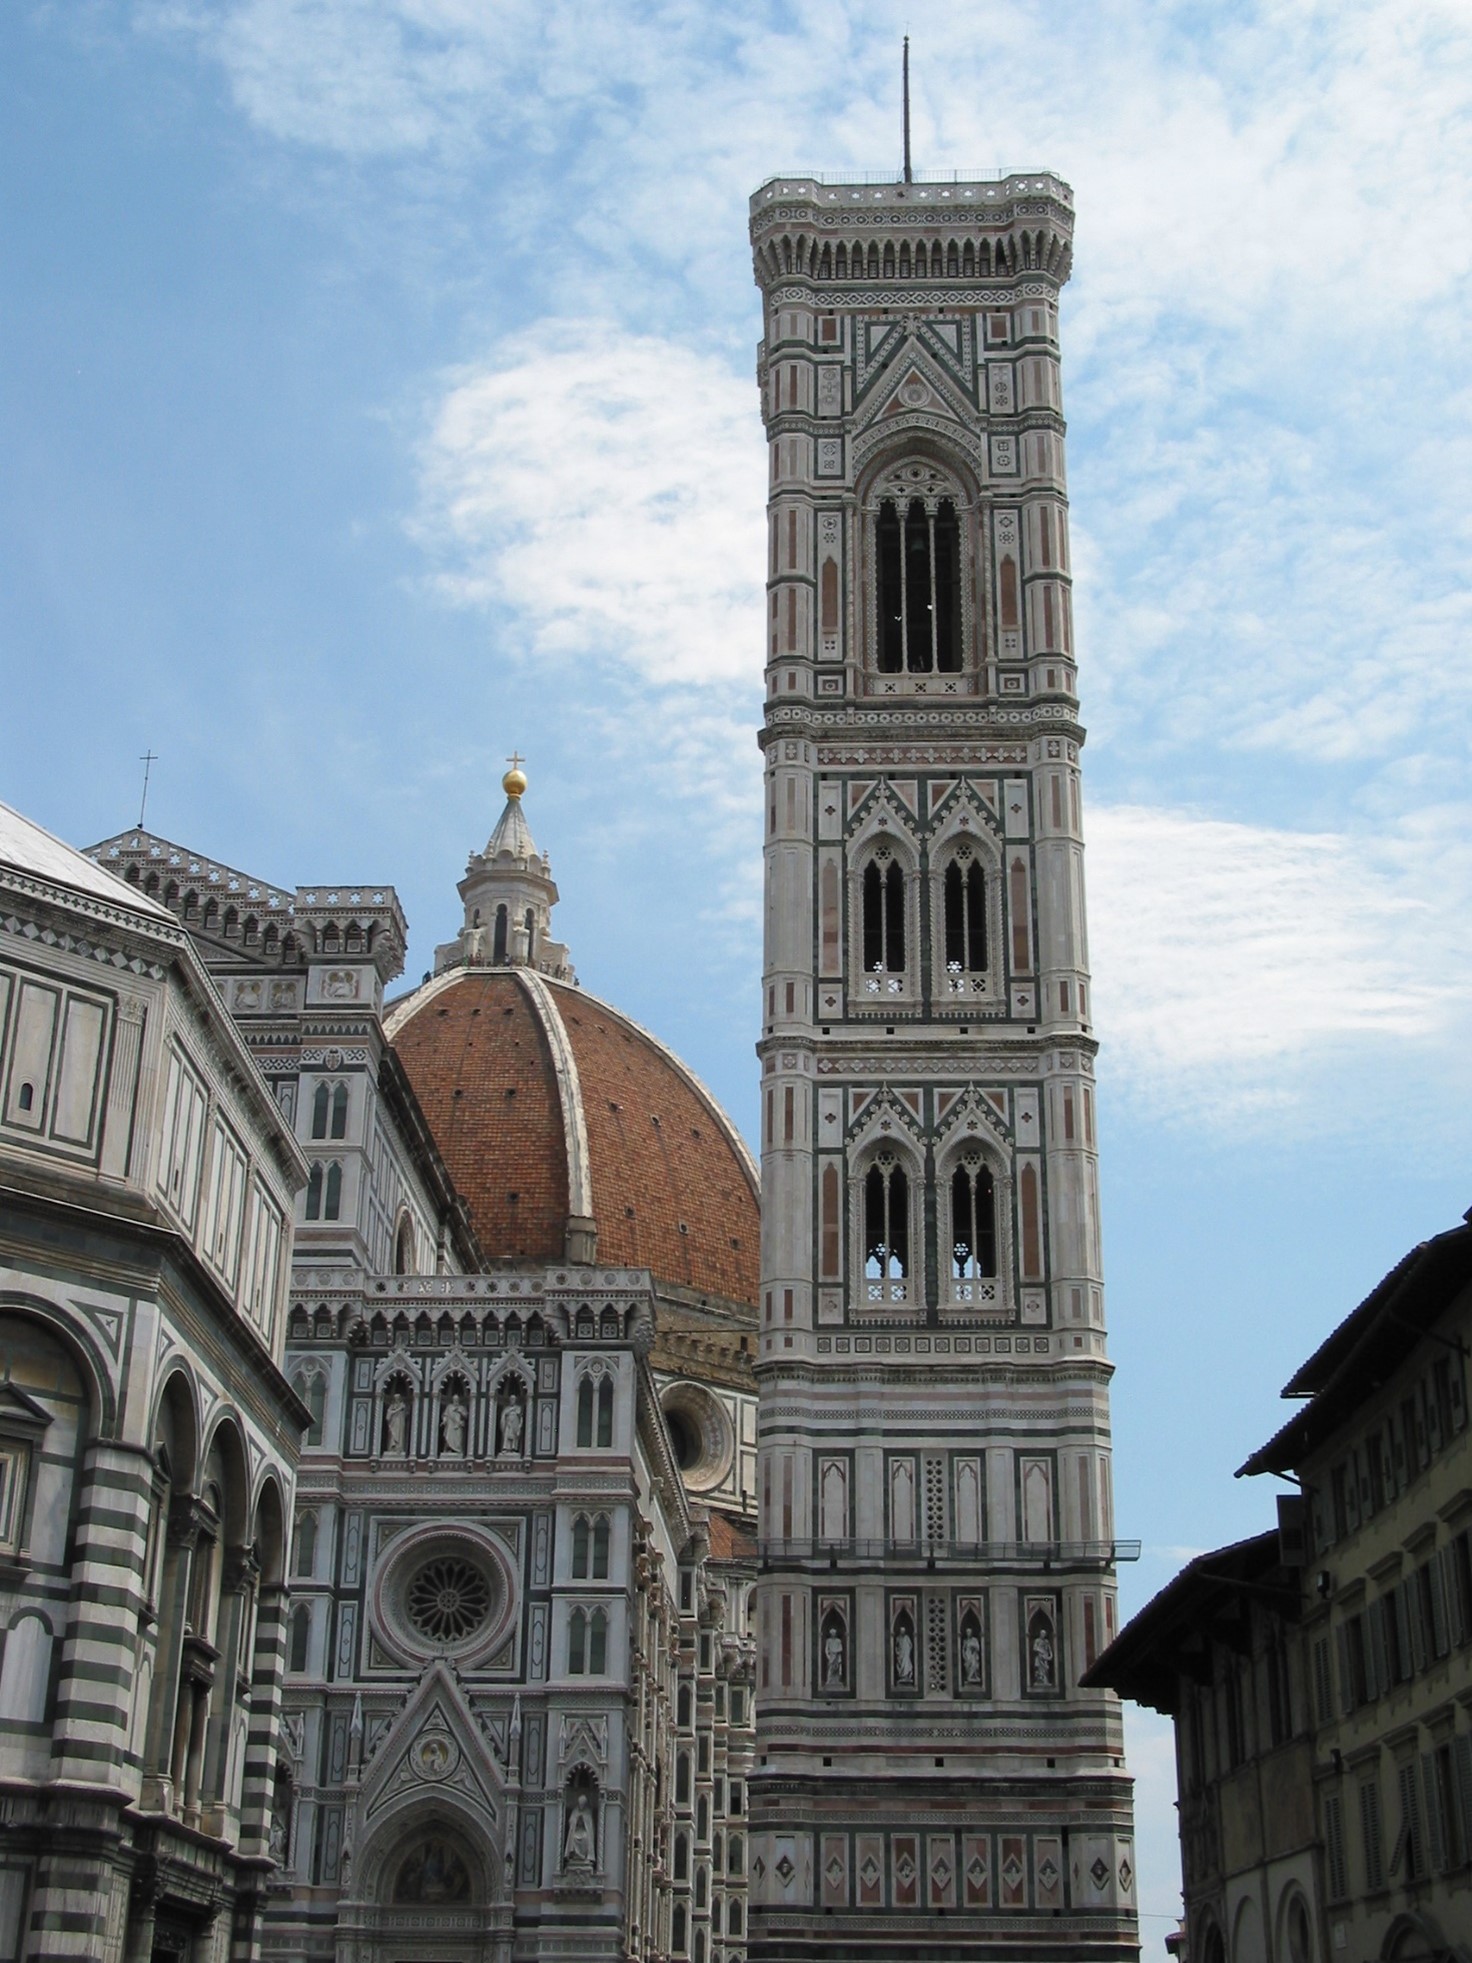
{"points": [[918, 559]]}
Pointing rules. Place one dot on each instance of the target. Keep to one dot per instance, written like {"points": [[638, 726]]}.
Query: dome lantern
{"points": [[509, 893]]}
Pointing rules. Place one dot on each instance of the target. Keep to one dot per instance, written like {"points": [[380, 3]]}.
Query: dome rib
{"points": [[570, 1096]]}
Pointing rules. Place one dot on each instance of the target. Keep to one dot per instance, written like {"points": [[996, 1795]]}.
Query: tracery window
{"points": [[918, 562], [973, 1227], [884, 915], [886, 1229], [300, 1638], [590, 1548], [330, 1111], [964, 888]]}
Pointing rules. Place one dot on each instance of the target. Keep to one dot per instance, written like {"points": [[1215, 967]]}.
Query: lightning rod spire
{"points": [[909, 174]]}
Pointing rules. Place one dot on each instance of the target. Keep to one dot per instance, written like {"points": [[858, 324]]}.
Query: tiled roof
{"points": [[672, 1186]]}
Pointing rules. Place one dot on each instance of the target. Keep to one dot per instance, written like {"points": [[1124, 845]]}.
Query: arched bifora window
{"points": [[973, 1225], [884, 916], [886, 1228], [917, 554]]}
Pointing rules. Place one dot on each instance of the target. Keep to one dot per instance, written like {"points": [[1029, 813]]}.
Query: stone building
{"points": [[935, 1515], [518, 1711], [1219, 1651], [1323, 1706], [148, 1434]]}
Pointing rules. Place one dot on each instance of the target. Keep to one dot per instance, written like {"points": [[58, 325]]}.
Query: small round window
{"points": [[448, 1599]]}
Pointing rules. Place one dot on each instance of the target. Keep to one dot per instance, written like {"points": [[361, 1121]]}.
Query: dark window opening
{"points": [[884, 918], [965, 917], [684, 1438], [340, 1112], [886, 1221], [498, 940], [918, 559], [319, 1111], [973, 1220]]}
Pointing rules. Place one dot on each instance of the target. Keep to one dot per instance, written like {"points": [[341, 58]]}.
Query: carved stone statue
{"points": [[904, 1654], [1042, 1659], [513, 1423], [970, 1657], [579, 1849], [834, 1673], [395, 1423], [454, 1421]]}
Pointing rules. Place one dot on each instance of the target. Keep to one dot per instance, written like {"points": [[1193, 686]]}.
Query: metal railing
{"points": [[1032, 1554]]}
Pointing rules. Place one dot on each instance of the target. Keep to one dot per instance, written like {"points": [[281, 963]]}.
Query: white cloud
{"points": [[1271, 434], [1231, 962], [608, 488]]}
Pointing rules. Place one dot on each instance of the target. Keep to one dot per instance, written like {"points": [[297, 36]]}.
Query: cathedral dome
{"points": [[574, 1134]]}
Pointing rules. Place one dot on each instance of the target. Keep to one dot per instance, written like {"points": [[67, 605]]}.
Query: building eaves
{"points": [[1368, 1347], [1168, 1638]]}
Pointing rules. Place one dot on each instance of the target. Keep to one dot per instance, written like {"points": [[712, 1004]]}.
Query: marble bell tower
{"points": [[937, 1534]]}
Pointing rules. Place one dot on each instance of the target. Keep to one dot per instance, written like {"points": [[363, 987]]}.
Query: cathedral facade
{"points": [[936, 1525]]}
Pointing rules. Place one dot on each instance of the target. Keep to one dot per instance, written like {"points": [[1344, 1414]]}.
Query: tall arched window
{"points": [[498, 939], [306, 1544], [965, 916], [580, 1548], [332, 1201], [886, 1227], [319, 1111], [311, 1387], [973, 1224], [585, 1411], [605, 1412], [600, 1549], [918, 556], [301, 1638], [340, 1111], [597, 1643], [577, 1643], [884, 916], [314, 1193]]}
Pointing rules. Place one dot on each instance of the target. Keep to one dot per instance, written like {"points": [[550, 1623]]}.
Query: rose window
{"points": [[448, 1599]]}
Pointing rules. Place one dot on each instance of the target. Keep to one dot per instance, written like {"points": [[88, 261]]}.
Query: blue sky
{"points": [[376, 395]]}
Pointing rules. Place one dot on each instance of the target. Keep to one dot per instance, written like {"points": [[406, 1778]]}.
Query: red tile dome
{"points": [[552, 1110]]}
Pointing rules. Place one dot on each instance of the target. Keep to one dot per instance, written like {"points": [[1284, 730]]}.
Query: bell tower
{"points": [[937, 1538]]}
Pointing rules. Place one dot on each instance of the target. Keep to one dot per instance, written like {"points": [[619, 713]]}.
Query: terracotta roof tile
{"points": [[671, 1187]]}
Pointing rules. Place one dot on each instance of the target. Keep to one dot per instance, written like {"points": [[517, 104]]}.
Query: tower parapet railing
{"points": [[1030, 1554]]}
